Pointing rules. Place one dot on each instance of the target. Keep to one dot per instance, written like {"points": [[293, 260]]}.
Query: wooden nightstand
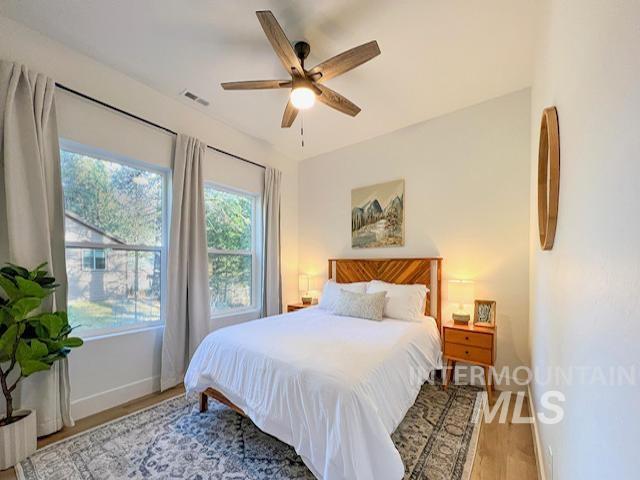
{"points": [[469, 344], [292, 307]]}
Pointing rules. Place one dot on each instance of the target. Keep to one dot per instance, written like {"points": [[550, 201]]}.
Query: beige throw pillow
{"points": [[361, 305]]}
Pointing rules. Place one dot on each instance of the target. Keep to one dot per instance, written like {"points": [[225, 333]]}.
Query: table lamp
{"points": [[303, 286], [461, 292]]}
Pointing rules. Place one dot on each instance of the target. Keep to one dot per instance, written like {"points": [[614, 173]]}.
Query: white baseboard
{"points": [[83, 407], [537, 445]]}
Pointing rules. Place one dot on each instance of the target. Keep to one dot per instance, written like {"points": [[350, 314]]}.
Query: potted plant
{"points": [[30, 341]]}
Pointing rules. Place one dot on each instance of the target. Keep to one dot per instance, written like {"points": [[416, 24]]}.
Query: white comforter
{"points": [[333, 387]]}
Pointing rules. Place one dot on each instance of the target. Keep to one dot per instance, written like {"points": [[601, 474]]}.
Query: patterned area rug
{"points": [[172, 440]]}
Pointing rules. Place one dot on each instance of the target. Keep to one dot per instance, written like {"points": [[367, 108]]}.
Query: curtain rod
{"points": [[148, 122]]}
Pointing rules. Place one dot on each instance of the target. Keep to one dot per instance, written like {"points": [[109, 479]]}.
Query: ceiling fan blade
{"points": [[279, 42], [290, 114], [344, 62], [337, 101], [256, 84]]}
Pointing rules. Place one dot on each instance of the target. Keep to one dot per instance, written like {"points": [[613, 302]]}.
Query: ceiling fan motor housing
{"points": [[302, 50]]}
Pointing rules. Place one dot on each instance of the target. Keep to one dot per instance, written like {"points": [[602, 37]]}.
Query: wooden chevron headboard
{"points": [[403, 271]]}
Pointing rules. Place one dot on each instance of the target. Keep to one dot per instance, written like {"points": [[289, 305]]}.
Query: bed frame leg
{"points": [[204, 402]]}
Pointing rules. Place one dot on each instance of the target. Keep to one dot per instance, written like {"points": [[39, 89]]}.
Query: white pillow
{"points": [[404, 302], [331, 292]]}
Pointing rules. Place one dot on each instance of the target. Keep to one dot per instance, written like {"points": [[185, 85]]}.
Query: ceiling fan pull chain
{"points": [[302, 129]]}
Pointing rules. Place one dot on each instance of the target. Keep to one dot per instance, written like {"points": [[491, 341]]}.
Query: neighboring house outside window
{"points": [[115, 227], [232, 240]]}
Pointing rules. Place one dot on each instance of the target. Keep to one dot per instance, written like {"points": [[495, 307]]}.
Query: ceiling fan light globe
{"points": [[303, 98]]}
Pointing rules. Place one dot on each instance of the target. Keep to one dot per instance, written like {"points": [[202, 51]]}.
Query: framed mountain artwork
{"points": [[377, 215]]}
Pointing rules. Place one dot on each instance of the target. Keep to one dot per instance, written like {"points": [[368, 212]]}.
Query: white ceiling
{"points": [[437, 56]]}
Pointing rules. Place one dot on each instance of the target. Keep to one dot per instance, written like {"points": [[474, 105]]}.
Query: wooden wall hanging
{"points": [[548, 177]]}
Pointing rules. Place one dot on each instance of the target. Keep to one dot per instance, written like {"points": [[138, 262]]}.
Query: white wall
{"points": [[466, 199], [585, 307], [109, 371]]}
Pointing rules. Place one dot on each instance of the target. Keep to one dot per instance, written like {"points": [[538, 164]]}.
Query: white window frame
{"points": [[165, 173], [255, 252], [93, 257]]}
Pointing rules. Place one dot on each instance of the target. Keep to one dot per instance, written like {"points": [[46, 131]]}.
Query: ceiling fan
{"points": [[306, 85]]}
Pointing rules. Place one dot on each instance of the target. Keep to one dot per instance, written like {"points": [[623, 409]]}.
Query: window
{"points": [[94, 259], [115, 236], [231, 241]]}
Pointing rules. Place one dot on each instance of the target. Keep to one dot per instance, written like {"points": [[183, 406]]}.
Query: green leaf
{"points": [[9, 288], [41, 330], [29, 367], [20, 271], [72, 342], [4, 316], [53, 345], [23, 352], [8, 271], [63, 316], [48, 282], [8, 339], [54, 357], [21, 308], [66, 330], [53, 323], [38, 349], [40, 268], [29, 288]]}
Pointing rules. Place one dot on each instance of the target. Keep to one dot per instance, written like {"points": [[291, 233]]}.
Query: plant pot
{"points": [[18, 440]]}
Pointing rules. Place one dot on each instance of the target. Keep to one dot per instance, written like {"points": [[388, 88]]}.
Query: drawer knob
{"points": [[466, 352], [466, 338]]}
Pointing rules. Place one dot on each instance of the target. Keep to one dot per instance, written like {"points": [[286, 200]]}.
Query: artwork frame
{"points": [[484, 313], [377, 215]]}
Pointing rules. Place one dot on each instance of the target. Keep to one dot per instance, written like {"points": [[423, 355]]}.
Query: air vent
{"points": [[192, 96]]}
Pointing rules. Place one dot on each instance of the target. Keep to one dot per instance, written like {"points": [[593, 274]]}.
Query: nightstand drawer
{"points": [[464, 352], [473, 339]]}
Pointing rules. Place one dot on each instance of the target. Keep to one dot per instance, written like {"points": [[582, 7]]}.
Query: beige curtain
{"points": [[32, 209], [188, 319], [272, 279]]}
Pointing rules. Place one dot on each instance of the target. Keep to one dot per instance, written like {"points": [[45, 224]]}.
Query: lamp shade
{"points": [[461, 291], [303, 98], [303, 283]]}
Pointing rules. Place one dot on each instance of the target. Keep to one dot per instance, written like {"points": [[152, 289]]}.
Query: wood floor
{"points": [[505, 451]]}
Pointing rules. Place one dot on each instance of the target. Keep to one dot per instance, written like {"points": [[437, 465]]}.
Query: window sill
{"points": [[236, 313], [144, 328], [122, 331]]}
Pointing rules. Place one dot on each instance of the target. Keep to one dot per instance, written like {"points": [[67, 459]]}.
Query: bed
{"points": [[333, 387]]}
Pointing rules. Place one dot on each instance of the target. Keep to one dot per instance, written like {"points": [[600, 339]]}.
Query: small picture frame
{"points": [[484, 313]]}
